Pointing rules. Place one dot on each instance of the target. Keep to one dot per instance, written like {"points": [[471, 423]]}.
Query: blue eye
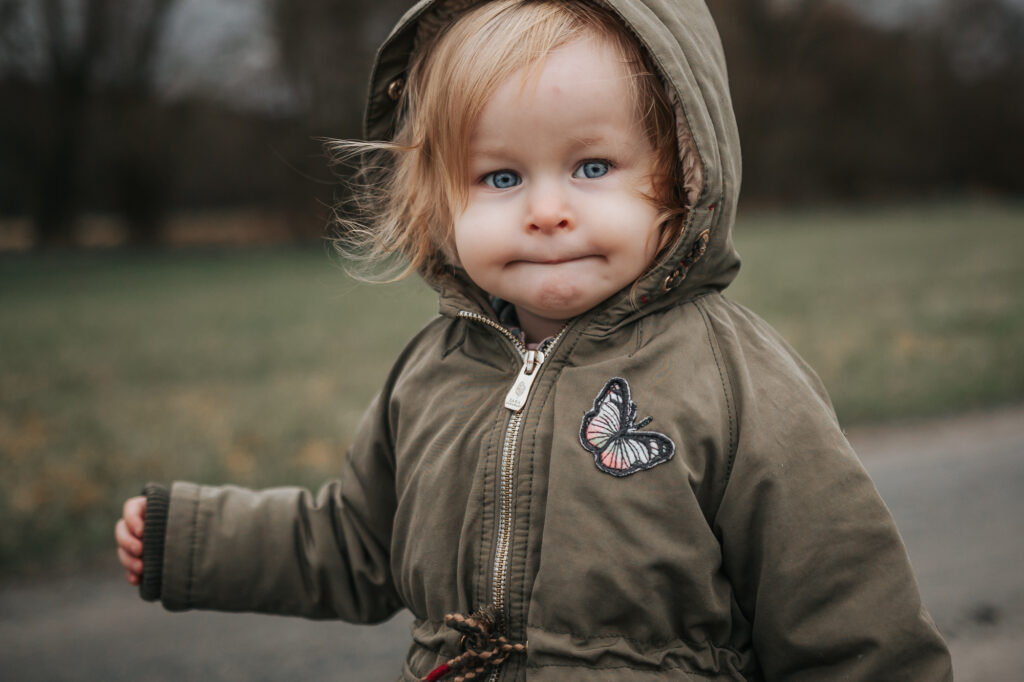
{"points": [[592, 169], [502, 179]]}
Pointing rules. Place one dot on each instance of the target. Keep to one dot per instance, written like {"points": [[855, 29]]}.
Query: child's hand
{"points": [[128, 532]]}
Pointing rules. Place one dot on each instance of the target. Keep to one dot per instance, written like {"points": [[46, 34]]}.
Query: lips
{"points": [[554, 261]]}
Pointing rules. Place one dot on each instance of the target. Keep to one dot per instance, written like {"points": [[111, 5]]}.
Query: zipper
{"points": [[515, 400], [483, 319]]}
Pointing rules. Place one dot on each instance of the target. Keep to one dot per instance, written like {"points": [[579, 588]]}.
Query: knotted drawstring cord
{"points": [[482, 649]]}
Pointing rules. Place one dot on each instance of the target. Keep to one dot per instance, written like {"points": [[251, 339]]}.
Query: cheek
{"points": [[649, 230], [631, 229], [474, 245], [465, 238], [478, 231], [643, 248]]}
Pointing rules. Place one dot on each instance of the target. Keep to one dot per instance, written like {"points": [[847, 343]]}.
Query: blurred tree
{"points": [[94, 57], [981, 98], [832, 106], [101, 111], [327, 50]]}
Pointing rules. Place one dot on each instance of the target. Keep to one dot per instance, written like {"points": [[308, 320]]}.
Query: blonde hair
{"points": [[414, 186]]}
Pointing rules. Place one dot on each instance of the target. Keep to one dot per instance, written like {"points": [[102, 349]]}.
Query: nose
{"points": [[548, 210]]}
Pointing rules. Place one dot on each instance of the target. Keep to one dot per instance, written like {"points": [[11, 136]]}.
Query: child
{"points": [[591, 465]]}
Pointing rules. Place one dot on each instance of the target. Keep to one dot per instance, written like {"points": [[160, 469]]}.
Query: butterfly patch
{"points": [[620, 448]]}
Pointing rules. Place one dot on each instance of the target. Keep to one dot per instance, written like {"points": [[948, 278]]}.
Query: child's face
{"points": [[557, 220]]}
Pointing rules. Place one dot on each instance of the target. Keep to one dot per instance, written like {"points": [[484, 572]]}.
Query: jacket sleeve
{"points": [[814, 556], [286, 550]]}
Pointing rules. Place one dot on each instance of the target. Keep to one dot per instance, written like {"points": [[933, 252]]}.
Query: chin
{"points": [[557, 298], [563, 311]]}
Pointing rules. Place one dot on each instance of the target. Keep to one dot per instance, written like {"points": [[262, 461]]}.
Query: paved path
{"points": [[955, 487]]}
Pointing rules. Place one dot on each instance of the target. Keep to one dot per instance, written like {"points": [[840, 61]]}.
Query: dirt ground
{"points": [[954, 485]]}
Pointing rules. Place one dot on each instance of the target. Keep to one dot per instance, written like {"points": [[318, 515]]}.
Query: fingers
{"points": [[126, 541], [132, 564], [128, 532], [135, 514], [129, 552]]}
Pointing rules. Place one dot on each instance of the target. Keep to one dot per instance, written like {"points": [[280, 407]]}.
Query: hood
{"points": [[683, 42]]}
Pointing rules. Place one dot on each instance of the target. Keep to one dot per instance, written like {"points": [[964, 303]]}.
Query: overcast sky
{"points": [[225, 49]]}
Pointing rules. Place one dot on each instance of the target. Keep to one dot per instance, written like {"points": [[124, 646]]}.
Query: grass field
{"points": [[253, 366]]}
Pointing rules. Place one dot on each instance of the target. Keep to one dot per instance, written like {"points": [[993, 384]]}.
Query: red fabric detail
{"points": [[437, 673]]}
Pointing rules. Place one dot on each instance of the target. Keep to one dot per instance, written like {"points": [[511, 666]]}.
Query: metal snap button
{"points": [[395, 88], [673, 280]]}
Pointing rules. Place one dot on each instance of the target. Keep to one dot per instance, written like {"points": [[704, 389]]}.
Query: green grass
{"points": [[904, 311], [253, 366], [249, 366]]}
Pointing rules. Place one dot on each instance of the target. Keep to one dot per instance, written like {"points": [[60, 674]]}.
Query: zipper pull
{"points": [[517, 395]]}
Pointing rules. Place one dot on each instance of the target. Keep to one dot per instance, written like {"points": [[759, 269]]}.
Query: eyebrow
{"points": [[591, 140]]}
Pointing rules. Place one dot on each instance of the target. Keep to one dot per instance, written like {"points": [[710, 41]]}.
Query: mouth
{"points": [[553, 261]]}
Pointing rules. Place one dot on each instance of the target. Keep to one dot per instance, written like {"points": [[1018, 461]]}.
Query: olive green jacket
{"points": [[752, 547]]}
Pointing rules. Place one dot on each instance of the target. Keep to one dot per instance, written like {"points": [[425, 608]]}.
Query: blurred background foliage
{"points": [[881, 226], [120, 117]]}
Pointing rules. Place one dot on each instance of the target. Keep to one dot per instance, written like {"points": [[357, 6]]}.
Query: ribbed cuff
{"points": [[158, 502]]}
